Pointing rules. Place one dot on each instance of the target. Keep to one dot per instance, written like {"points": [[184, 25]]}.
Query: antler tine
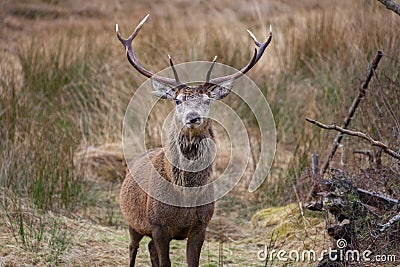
{"points": [[256, 57], [174, 70], [210, 69], [134, 33], [254, 38], [127, 43]]}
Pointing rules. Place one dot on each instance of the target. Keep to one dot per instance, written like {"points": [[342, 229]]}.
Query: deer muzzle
{"points": [[193, 120]]}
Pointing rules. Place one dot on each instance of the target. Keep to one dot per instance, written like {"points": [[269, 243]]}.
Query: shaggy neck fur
{"points": [[191, 153]]}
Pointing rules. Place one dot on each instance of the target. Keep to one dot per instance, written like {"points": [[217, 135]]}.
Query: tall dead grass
{"points": [[67, 83]]}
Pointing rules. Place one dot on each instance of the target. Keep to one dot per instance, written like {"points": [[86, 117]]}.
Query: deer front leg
{"points": [[193, 248], [161, 240], [134, 245], [153, 255]]}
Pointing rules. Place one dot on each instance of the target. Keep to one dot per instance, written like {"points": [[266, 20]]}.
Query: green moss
{"points": [[287, 222]]}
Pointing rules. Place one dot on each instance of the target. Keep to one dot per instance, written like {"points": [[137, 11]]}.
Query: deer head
{"points": [[192, 102]]}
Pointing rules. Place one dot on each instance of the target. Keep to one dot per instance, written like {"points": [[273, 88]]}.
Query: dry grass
{"points": [[65, 84]]}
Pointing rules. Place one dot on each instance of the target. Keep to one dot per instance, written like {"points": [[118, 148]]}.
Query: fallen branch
{"points": [[362, 135], [391, 5], [356, 221], [376, 200], [361, 93], [390, 222]]}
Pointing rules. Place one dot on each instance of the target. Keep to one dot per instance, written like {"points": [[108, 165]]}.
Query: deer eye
{"points": [[177, 101]]}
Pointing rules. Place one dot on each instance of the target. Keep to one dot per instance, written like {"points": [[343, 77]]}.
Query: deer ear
{"points": [[219, 91], [163, 90]]}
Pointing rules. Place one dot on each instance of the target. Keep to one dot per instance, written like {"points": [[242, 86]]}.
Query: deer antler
{"points": [[257, 55], [210, 70], [127, 43], [174, 70]]}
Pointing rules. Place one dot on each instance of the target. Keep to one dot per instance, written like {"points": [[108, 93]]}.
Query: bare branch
{"points": [[376, 200], [363, 152], [390, 222], [361, 93], [362, 135], [391, 5]]}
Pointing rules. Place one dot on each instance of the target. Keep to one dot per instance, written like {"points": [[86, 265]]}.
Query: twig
{"points": [[314, 176], [390, 222], [361, 93], [376, 200], [367, 153], [386, 103], [364, 152], [301, 207], [362, 135], [391, 5], [378, 157], [314, 163]]}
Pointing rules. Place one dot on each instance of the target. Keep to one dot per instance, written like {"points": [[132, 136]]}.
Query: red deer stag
{"points": [[190, 139]]}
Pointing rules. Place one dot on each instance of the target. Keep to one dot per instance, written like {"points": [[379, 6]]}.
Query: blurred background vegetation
{"points": [[65, 83]]}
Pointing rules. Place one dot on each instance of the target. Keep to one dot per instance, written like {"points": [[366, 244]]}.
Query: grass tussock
{"points": [[65, 84]]}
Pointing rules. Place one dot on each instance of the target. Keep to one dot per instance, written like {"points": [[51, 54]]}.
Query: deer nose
{"points": [[193, 118]]}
